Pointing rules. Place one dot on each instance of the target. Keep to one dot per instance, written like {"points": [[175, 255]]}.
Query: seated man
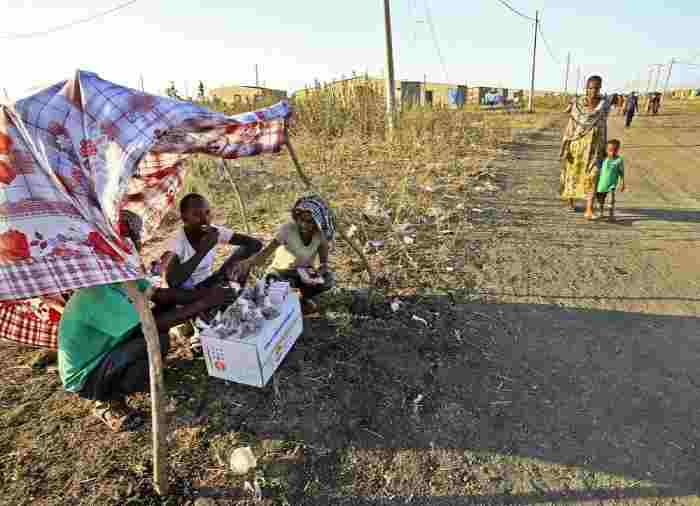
{"points": [[188, 262], [102, 353]]}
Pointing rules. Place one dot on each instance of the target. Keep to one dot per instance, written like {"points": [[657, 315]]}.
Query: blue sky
{"points": [[219, 41]]}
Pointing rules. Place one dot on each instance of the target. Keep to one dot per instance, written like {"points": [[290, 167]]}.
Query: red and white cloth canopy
{"points": [[76, 154]]}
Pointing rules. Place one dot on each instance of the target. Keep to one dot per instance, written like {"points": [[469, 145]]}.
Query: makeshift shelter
{"points": [[72, 157], [75, 155]]}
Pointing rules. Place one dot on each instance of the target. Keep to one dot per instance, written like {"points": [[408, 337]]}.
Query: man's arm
{"points": [[179, 296], [215, 297], [250, 244], [260, 258], [177, 273]]}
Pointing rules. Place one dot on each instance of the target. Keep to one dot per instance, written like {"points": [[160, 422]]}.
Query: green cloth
{"points": [[94, 322], [612, 170]]}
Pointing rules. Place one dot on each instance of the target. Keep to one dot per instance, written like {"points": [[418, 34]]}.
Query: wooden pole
{"points": [[668, 79], [531, 102], [566, 78], [224, 168], [658, 77], [155, 362], [390, 83], [578, 80], [339, 226], [651, 75]]}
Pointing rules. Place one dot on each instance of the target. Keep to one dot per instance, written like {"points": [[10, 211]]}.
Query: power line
{"points": [[549, 48], [429, 19], [16, 36], [511, 8]]}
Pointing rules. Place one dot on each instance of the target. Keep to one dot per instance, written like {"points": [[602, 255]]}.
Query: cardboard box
{"points": [[253, 359]]}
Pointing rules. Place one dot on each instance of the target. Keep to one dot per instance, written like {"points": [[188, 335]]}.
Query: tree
{"points": [[200, 92]]}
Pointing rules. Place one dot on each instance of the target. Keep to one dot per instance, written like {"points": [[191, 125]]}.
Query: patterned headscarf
{"points": [[321, 213]]}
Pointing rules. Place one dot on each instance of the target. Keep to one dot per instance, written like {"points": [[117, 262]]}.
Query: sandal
{"points": [[116, 415], [309, 307]]}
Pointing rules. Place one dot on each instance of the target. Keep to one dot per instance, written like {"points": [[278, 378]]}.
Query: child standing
{"points": [[296, 247], [612, 177]]}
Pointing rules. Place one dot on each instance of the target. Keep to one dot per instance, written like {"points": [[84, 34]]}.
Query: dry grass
{"points": [[422, 176], [369, 403]]}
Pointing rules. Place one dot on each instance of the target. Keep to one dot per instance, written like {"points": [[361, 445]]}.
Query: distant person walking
{"points": [[583, 146], [631, 109], [655, 103]]}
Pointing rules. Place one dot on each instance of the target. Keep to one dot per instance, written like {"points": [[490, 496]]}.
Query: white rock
{"points": [[243, 460], [419, 319]]}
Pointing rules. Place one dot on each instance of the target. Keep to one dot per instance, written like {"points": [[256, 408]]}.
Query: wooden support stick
{"points": [[155, 361], [339, 226], [224, 168]]}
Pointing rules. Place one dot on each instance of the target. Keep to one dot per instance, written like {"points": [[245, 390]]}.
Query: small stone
{"points": [[243, 460]]}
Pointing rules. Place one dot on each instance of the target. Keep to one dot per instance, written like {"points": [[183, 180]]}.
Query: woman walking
{"points": [[583, 146]]}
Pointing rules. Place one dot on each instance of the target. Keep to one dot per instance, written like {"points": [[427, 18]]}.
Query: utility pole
{"points": [[141, 83], [531, 102], [578, 79], [668, 78], [566, 78], [390, 85], [651, 75], [658, 77], [257, 76]]}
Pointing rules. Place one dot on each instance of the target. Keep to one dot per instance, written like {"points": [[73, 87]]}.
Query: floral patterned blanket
{"points": [[74, 155]]}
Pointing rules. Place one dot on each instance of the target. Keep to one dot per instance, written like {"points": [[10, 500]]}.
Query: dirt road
{"points": [[645, 262], [608, 312]]}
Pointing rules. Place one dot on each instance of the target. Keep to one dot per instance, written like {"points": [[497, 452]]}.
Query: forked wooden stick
{"points": [[155, 362], [339, 226], [224, 168]]}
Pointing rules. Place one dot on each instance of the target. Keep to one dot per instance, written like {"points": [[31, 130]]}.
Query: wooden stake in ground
{"points": [[224, 169], [155, 361], [390, 83], [339, 226]]}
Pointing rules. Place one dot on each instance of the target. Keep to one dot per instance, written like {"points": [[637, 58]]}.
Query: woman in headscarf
{"points": [[583, 146], [297, 247]]}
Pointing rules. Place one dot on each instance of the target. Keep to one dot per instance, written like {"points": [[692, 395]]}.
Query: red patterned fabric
{"points": [[29, 324], [73, 156]]}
